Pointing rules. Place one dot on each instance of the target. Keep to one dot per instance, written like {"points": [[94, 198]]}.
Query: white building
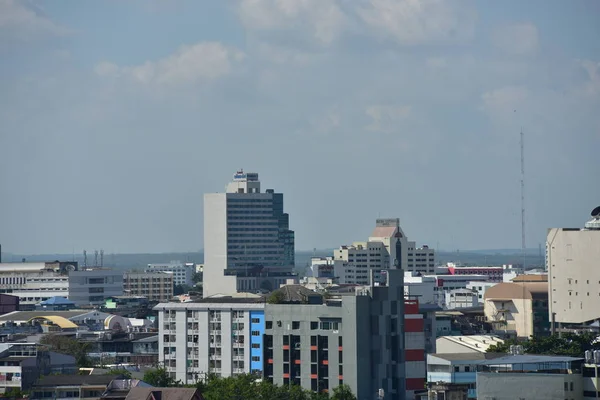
{"points": [[387, 247], [461, 298], [247, 241], [445, 283], [182, 272], [572, 257], [322, 267], [480, 287], [466, 344], [221, 336], [421, 287]]}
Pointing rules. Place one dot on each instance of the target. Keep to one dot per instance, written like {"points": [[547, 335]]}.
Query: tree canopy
{"points": [[159, 377], [567, 344], [69, 346]]}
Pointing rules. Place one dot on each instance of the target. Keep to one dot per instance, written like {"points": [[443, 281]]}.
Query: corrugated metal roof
{"points": [[62, 322], [529, 359]]}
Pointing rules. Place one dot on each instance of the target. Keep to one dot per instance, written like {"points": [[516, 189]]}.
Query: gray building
{"points": [[355, 339], [94, 286], [248, 245]]}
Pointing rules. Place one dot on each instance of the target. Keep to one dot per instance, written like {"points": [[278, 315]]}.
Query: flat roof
{"points": [[530, 359], [479, 343], [467, 356]]}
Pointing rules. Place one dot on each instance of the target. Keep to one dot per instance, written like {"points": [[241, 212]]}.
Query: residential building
{"points": [[152, 393], [182, 272], [461, 298], [518, 308], [357, 339], [21, 364], [220, 335], [94, 286], [466, 344], [121, 345], [572, 256], [248, 244], [531, 377], [156, 287], [386, 248], [322, 267], [76, 387], [456, 369], [127, 306]]}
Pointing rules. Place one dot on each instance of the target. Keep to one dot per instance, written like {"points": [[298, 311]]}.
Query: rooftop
{"points": [[468, 356], [479, 343], [57, 300], [531, 278], [27, 315], [530, 359], [76, 380], [509, 290]]}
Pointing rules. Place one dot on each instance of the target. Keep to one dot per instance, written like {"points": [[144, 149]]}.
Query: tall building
{"points": [[182, 272], [157, 286], [388, 243], [248, 245], [572, 261]]}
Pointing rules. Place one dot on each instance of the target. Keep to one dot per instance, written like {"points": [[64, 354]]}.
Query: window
{"points": [[255, 321], [269, 324], [314, 325], [286, 340], [566, 386], [255, 358], [255, 333], [467, 369], [457, 369], [295, 324], [256, 345], [571, 386]]}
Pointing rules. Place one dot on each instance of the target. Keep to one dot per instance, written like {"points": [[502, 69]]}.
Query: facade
{"points": [[480, 288], [518, 308], [220, 335], [156, 287], [8, 303], [94, 286], [444, 284], [572, 256], [322, 267], [461, 298], [182, 272], [248, 245], [494, 274], [530, 377], [420, 259], [355, 339], [71, 387]]}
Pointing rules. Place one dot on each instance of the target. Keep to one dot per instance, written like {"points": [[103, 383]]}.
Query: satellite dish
{"points": [[596, 212]]}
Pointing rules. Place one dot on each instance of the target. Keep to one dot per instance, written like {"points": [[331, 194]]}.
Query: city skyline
{"points": [[111, 133]]}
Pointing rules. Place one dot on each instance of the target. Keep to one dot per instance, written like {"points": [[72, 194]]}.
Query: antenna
{"points": [[101, 258], [85, 258], [95, 258]]}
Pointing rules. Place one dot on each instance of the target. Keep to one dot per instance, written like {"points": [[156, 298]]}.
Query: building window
{"points": [[255, 358], [314, 325], [255, 321], [295, 324], [255, 333], [256, 345], [456, 369], [269, 324]]}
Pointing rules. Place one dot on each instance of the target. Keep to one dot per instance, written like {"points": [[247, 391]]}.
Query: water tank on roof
{"points": [[596, 356], [594, 223]]}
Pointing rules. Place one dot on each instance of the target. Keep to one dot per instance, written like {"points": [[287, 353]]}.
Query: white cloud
{"points": [[323, 18], [414, 22], [518, 39], [592, 86], [25, 21], [385, 117], [189, 64]]}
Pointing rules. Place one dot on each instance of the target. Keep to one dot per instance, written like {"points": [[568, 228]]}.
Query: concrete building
{"points": [[218, 335], [155, 287], [572, 256], [248, 245], [466, 344], [518, 308], [94, 286], [387, 243], [480, 288], [354, 339], [322, 267], [182, 272], [461, 298], [444, 284], [530, 377]]}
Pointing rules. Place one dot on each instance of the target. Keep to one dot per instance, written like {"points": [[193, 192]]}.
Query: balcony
{"points": [[238, 345], [239, 371], [239, 358]]}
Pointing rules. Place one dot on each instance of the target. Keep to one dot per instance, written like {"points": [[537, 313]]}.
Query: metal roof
{"points": [[530, 359], [62, 322]]}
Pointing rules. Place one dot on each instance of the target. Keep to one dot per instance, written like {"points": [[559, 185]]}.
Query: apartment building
{"points": [[572, 256], [248, 245], [155, 287], [94, 286], [182, 272], [218, 335]]}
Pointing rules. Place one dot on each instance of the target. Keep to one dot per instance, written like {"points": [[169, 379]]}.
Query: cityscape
{"points": [[299, 200]]}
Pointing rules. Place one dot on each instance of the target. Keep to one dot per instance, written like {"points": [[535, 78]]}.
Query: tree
{"points": [[343, 392], [71, 347], [197, 277], [277, 297], [568, 344], [180, 289], [120, 371], [159, 377]]}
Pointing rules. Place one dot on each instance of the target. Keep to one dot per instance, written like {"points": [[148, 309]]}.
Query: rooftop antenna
{"points": [[95, 258], [101, 258], [85, 258]]}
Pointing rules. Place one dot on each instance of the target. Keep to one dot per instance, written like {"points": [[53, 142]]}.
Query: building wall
{"points": [[215, 246], [574, 277], [32, 287], [517, 313], [420, 259], [153, 286], [94, 286], [538, 386], [182, 273]]}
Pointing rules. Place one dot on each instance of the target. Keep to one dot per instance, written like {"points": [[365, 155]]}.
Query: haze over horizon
{"points": [[116, 118]]}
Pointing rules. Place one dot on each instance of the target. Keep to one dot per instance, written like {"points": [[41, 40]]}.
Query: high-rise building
{"points": [[572, 261], [248, 245]]}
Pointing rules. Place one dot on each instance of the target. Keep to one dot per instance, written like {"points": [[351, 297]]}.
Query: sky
{"points": [[116, 117]]}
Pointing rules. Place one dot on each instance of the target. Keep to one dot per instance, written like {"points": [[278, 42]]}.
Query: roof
{"points": [[62, 322], [467, 356], [76, 380], [531, 278], [530, 359], [384, 231], [509, 290], [479, 343], [297, 293], [28, 315], [144, 393], [148, 339], [57, 300]]}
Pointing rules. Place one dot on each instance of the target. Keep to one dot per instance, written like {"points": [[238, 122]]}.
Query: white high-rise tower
{"points": [[248, 245]]}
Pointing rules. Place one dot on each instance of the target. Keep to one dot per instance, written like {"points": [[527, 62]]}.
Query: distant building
{"points": [[74, 387], [461, 298], [155, 287], [55, 304], [94, 286], [572, 256], [519, 308], [445, 283], [8, 303], [151, 393], [480, 287], [248, 244], [182, 272]]}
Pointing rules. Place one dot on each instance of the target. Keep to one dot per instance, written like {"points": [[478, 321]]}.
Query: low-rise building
{"points": [[94, 286], [182, 272], [75, 387], [466, 344], [156, 287], [151, 393], [55, 304], [461, 298]]}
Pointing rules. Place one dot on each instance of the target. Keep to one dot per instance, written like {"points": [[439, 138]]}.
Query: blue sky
{"points": [[115, 118]]}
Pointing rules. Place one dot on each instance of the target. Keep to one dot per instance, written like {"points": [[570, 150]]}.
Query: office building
{"points": [[218, 335], [182, 272], [94, 286], [248, 245], [156, 287], [572, 256], [356, 339], [461, 298]]}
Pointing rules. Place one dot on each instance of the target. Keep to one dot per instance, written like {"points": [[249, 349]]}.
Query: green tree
{"points": [[343, 392], [120, 371], [197, 277], [277, 297], [69, 346], [159, 377], [567, 344]]}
